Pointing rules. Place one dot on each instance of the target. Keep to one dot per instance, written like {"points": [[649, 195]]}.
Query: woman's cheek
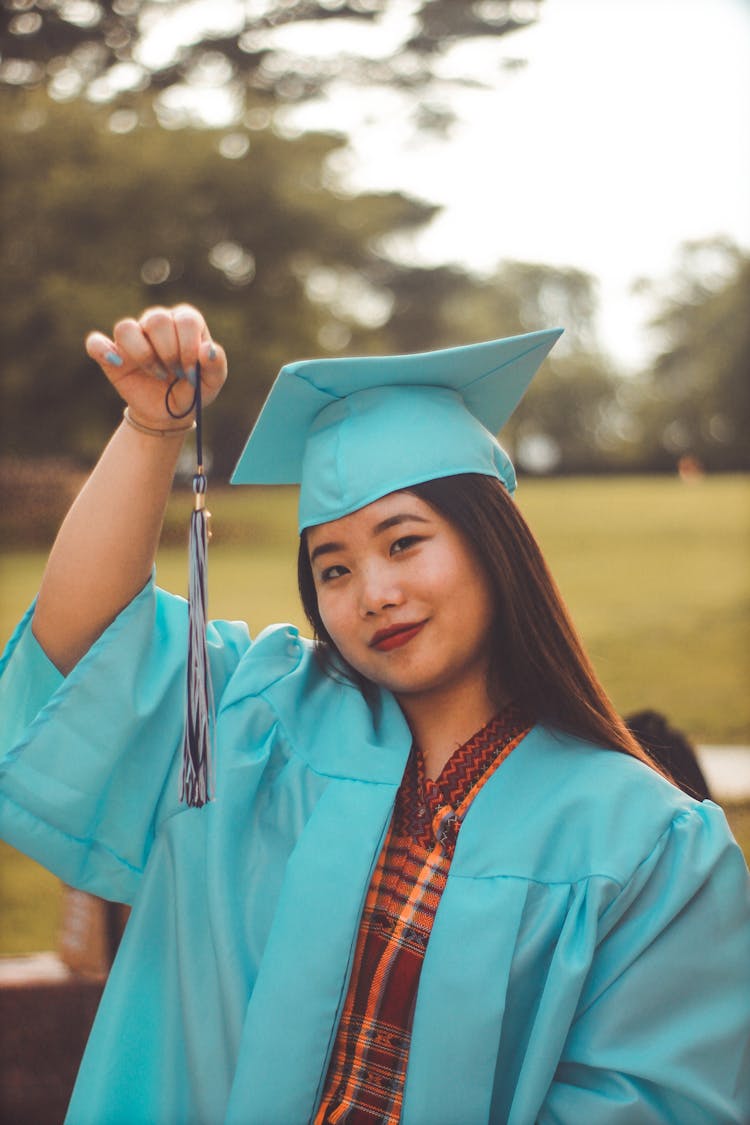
{"points": [[330, 618]]}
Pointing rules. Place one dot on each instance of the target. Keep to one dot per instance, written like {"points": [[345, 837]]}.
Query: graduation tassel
{"points": [[196, 778]]}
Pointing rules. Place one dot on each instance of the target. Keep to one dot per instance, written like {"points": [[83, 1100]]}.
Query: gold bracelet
{"points": [[139, 426]]}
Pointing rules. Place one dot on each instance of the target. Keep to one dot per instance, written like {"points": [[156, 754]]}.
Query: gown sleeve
{"points": [[89, 763], [662, 1033]]}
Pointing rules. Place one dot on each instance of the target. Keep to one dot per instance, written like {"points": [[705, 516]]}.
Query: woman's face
{"points": [[403, 598]]}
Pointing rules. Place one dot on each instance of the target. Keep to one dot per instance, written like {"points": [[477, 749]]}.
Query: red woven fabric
{"points": [[365, 1080]]}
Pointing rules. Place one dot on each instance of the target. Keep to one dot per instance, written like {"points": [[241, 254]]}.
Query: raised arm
{"points": [[106, 546]]}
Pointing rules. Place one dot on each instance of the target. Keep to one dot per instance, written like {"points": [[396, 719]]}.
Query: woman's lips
{"points": [[387, 639]]}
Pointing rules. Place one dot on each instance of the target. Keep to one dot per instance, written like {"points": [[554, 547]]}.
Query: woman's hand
{"points": [[106, 546], [148, 354]]}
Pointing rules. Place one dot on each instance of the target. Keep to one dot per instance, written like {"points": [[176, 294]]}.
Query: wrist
{"points": [[156, 431]]}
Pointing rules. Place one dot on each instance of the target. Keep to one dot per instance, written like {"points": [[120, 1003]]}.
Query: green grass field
{"points": [[656, 574]]}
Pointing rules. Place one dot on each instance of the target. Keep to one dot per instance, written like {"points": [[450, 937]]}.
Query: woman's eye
{"points": [[332, 572], [404, 543]]}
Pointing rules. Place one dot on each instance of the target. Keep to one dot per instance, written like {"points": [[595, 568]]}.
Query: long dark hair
{"points": [[537, 655]]}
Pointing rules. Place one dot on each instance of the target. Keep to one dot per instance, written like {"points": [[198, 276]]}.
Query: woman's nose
{"points": [[378, 592]]}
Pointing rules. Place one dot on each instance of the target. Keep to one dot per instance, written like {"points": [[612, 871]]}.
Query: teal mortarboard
{"points": [[351, 430]]}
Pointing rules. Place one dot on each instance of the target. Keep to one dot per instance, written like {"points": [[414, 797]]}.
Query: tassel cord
{"points": [[196, 780]]}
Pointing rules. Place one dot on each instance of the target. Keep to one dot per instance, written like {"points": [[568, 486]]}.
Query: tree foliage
{"points": [[696, 400], [96, 47], [99, 225], [106, 212]]}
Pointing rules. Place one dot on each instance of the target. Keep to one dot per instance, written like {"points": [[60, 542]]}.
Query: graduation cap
{"points": [[351, 430]]}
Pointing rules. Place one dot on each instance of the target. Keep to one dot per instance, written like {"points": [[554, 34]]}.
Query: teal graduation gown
{"points": [[590, 958]]}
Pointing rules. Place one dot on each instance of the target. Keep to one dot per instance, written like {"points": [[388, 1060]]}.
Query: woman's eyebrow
{"points": [[394, 521], [325, 549]]}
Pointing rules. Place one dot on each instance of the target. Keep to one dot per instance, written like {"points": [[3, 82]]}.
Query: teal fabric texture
{"points": [[590, 959], [352, 430]]}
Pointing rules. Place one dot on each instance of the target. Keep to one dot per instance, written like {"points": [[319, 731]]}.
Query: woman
{"points": [[430, 889]]}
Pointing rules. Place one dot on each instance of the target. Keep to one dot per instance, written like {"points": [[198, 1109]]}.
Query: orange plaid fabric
{"points": [[366, 1074]]}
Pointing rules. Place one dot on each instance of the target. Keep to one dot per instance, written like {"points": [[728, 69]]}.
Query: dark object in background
{"points": [[90, 933], [671, 749], [45, 1022]]}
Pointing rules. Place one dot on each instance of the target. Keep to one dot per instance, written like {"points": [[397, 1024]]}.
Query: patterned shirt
{"points": [[365, 1080]]}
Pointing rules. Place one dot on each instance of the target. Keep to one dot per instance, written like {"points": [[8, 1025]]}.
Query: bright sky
{"points": [[625, 134]]}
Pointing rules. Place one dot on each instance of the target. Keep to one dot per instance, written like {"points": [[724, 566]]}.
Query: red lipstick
{"points": [[398, 635]]}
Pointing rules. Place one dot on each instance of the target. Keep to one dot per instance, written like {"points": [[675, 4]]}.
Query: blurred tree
{"points": [[98, 224], [519, 297], [695, 402], [104, 49], [569, 420], [574, 417]]}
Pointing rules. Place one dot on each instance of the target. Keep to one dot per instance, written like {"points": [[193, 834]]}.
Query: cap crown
{"points": [[352, 430]]}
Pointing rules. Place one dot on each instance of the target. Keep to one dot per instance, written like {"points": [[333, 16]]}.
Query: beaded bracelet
{"points": [[139, 426]]}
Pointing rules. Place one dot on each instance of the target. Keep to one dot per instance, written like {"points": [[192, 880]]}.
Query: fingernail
{"points": [[212, 351], [113, 359], [159, 372], [178, 372], [190, 374]]}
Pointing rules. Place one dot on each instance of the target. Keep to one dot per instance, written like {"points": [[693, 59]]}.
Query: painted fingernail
{"points": [[113, 359], [212, 351], [159, 372], [190, 374], [177, 371]]}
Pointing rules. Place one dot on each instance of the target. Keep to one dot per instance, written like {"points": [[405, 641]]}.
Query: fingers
{"points": [[136, 350], [165, 343], [169, 337], [190, 328], [104, 352], [213, 364], [151, 343]]}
